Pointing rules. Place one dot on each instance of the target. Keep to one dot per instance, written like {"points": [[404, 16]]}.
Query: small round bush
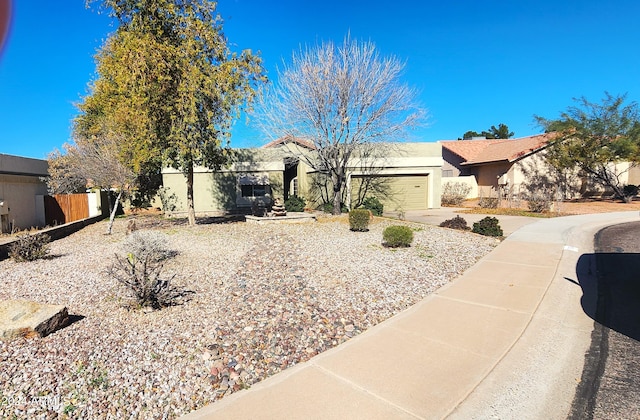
{"points": [[294, 204], [456, 223], [30, 247], [488, 227], [359, 220], [397, 236], [373, 204]]}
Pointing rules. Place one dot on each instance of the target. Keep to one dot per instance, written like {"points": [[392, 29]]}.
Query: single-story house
{"points": [[22, 192], [494, 163], [403, 176], [508, 163]]}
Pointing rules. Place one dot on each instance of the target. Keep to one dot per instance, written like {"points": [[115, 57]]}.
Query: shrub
{"points": [[488, 202], [488, 227], [294, 204], [359, 220], [456, 223], [141, 271], [454, 193], [148, 244], [328, 208], [30, 247], [397, 236], [373, 204], [629, 191], [539, 201]]}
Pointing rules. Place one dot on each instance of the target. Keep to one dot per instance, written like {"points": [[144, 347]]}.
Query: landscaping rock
{"points": [[23, 318]]}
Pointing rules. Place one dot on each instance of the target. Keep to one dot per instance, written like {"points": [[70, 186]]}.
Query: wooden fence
{"points": [[64, 208]]}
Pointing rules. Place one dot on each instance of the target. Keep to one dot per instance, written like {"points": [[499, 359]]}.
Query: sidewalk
{"points": [[505, 340]]}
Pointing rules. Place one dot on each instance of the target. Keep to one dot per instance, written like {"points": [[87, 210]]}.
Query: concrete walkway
{"points": [[505, 340]]}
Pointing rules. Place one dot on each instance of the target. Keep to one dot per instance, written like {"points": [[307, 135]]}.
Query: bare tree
{"points": [[97, 159], [339, 97]]}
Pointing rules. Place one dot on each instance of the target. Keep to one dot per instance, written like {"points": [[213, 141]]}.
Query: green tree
{"points": [[501, 132], [346, 100], [170, 84], [594, 138]]}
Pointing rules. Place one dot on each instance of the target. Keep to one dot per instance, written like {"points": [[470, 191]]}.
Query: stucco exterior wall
{"points": [[20, 186]]}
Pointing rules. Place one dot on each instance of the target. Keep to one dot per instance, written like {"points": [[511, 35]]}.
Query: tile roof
{"points": [[495, 150], [290, 139]]}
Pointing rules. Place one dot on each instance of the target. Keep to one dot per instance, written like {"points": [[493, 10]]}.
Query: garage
{"points": [[402, 192]]}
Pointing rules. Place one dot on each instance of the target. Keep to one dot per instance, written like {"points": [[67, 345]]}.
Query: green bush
{"points": [[328, 208], [30, 247], [629, 191], [488, 227], [294, 204], [397, 236], [456, 223], [359, 220], [373, 204]]}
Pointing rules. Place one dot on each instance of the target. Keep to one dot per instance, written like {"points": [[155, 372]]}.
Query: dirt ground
{"points": [[582, 206]]}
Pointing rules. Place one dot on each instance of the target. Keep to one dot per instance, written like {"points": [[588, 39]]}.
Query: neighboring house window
{"points": [[254, 190], [447, 172]]}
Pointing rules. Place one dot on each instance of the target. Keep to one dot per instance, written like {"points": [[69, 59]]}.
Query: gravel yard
{"points": [[266, 297]]}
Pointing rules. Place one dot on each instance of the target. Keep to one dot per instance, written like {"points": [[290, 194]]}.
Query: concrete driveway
{"points": [[509, 224]]}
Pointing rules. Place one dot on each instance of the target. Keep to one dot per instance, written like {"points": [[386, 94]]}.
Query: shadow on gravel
{"points": [[610, 285]]}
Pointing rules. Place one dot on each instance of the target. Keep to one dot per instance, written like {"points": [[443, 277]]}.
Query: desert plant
{"points": [[488, 202], [294, 204], [168, 199], [374, 205], [454, 193], [539, 201], [30, 247], [359, 220], [141, 270], [142, 278], [488, 226], [628, 192], [148, 244], [397, 236], [456, 223]]}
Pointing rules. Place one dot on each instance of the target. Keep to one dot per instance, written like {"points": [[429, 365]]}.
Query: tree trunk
{"points": [[337, 195], [113, 210], [191, 212]]}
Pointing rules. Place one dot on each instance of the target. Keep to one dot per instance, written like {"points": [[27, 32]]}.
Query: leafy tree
{"points": [[343, 98], [594, 137], [169, 82], [501, 132]]}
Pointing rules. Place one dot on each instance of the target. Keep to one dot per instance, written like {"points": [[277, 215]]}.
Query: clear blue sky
{"points": [[476, 63]]}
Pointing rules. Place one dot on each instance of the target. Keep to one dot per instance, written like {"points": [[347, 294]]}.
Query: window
{"points": [[254, 190], [447, 173]]}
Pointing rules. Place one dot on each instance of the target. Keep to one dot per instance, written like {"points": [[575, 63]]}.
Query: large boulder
{"points": [[23, 318]]}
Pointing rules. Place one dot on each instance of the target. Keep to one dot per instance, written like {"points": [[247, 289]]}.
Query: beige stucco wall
{"points": [[21, 191], [215, 192]]}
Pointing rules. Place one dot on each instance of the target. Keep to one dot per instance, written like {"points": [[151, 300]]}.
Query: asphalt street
{"points": [[610, 279]]}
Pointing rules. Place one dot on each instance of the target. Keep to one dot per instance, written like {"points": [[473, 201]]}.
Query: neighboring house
{"points": [[405, 177], [22, 192], [494, 162]]}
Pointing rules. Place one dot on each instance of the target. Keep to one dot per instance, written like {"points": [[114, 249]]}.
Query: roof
{"points": [[290, 139], [495, 150]]}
